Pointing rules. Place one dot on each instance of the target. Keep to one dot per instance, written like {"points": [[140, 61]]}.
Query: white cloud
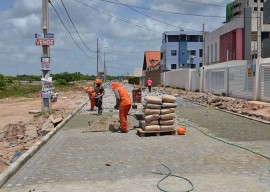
{"points": [[124, 43]]}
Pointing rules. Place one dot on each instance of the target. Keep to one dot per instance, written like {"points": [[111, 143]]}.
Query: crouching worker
{"points": [[91, 95], [123, 103], [99, 91]]}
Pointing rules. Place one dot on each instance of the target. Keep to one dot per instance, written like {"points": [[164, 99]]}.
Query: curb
{"points": [[14, 167], [247, 117]]}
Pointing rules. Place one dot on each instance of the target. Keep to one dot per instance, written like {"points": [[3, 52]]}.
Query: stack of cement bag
{"points": [[159, 113]]}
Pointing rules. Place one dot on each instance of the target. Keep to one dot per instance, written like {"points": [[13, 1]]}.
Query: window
{"points": [[192, 52], [193, 38], [161, 55], [261, 8], [262, 1], [183, 37], [201, 53], [173, 52], [173, 66], [255, 8], [173, 38], [255, 1]]}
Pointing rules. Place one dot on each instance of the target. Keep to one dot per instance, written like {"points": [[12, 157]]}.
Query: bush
{"points": [[61, 82], [2, 85]]}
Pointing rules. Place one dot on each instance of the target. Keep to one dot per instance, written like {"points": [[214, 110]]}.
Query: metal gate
{"points": [[265, 86]]}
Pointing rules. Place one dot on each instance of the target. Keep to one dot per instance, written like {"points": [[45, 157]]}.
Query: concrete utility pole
{"points": [[104, 69], [259, 31], [46, 95], [97, 57]]}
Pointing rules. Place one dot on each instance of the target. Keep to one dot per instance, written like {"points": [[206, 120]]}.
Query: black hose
{"points": [[170, 174]]}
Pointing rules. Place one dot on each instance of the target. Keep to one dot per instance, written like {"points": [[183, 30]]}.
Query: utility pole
{"points": [[259, 31], [104, 69], [97, 57], [203, 46], [46, 94]]}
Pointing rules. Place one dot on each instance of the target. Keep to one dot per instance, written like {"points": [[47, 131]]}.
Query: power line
{"points": [[164, 11], [209, 4], [69, 31], [75, 27], [147, 15], [111, 15]]}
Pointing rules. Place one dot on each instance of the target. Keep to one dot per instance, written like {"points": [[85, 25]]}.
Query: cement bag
{"points": [[167, 122], [151, 106], [168, 116], [151, 128], [168, 105], [166, 111], [155, 122], [168, 99], [153, 100], [151, 111], [152, 117], [167, 128]]}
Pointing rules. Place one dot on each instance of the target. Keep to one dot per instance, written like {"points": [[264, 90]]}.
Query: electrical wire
{"points": [[121, 19], [151, 17], [209, 4], [75, 27], [69, 32], [168, 12]]}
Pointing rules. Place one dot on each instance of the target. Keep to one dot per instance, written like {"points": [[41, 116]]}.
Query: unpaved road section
{"points": [[19, 129]]}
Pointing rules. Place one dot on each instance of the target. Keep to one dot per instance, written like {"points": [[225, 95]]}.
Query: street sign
{"points": [[44, 35], [41, 42], [45, 66]]}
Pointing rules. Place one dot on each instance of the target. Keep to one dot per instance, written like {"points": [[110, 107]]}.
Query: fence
{"points": [[187, 79], [241, 79]]}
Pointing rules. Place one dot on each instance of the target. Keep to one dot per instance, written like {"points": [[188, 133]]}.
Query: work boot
{"points": [[124, 130]]}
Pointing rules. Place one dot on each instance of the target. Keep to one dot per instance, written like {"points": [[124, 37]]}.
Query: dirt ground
{"points": [[19, 129]]}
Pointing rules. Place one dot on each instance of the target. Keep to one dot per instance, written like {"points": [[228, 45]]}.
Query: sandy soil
{"points": [[19, 129]]}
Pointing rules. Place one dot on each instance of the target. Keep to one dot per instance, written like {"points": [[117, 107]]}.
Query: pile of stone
{"points": [[159, 113]]}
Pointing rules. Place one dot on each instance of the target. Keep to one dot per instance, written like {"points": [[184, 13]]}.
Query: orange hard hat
{"points": [[97, 81], [114, 85], [181, 131]]}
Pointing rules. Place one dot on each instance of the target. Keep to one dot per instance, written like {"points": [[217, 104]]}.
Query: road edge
{"points": [[14, 167], [244, 116]]}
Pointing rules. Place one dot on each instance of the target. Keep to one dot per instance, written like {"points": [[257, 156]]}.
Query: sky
{"points": [[125, 29]]}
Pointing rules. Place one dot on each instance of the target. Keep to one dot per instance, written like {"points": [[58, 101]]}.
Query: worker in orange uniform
{"points": [[123, 103], [99, 91], [91, 95]]}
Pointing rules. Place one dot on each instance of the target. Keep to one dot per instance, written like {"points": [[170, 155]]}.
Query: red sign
{"points": [[42, 42]]}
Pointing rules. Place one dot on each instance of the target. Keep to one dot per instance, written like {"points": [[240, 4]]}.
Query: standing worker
{"points": [[99, 91], [149, 84], [123, 103], [91, 95]]}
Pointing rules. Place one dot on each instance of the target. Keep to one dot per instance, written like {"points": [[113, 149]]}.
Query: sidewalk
{"points": [[76, 161]]}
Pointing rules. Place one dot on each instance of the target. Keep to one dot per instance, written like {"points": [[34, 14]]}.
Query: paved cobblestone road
{"points": [[75, 161]]}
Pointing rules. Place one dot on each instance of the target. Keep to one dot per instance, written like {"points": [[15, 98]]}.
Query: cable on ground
{"points": [[170, 174], [226, 142]]}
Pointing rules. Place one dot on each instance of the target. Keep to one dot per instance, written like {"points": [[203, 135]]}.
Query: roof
{"points": [[151, 58]]}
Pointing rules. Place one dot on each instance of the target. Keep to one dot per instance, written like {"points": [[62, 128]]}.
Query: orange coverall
{"points": [[91, 95], [125, 104]]}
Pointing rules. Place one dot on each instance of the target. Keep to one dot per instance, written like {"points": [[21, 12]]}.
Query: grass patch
{"points": [[19, 90]]}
